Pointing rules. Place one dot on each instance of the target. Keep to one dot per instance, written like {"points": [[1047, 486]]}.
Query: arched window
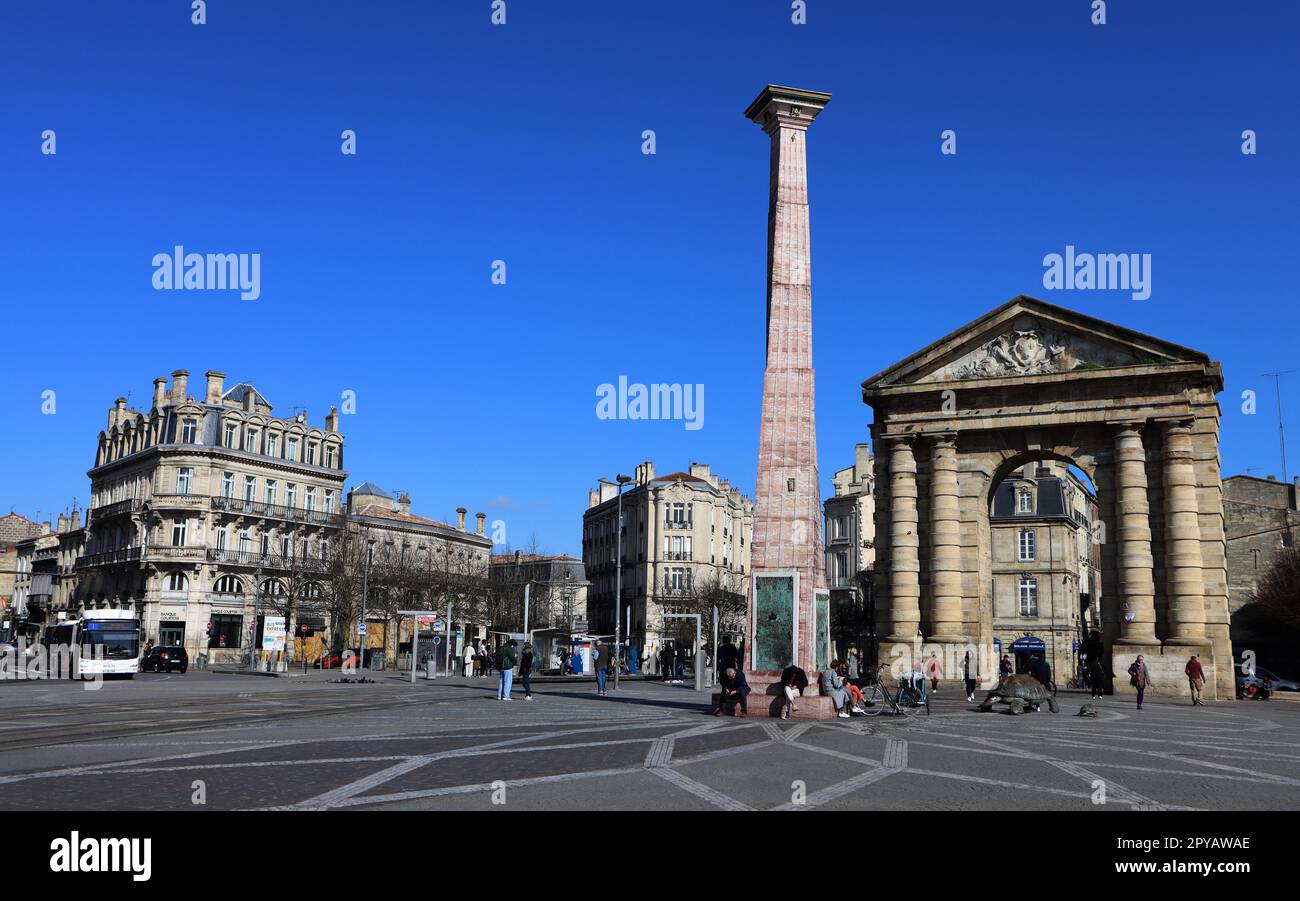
{"points": [[311, 591], [176, 581], [228, 585], [272, 588]]}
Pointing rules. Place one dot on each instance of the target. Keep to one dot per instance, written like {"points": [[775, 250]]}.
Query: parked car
{"points": [[1261, 683], [335, 659], [165, 659]]}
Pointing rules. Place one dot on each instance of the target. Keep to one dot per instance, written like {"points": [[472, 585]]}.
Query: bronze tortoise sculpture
{"points": [[1021, 692]]}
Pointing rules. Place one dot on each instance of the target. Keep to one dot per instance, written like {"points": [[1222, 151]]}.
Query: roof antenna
{"points": [[1281, 432]]}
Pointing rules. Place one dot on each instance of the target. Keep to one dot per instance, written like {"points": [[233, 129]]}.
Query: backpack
{"points": [[499, 659]]}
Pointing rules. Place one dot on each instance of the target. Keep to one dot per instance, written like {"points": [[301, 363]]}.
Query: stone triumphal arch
{"points": [[1033, 381]]}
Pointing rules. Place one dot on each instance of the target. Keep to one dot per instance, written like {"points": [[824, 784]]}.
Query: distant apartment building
{"points": [[849, 516], [1261, 516], [1046, 565], [200, 503], [557, 595], [431, 563], [13, 529], [683, 534]]}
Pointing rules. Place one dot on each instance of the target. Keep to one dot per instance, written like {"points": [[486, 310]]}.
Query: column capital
{"points": [[946, 438], [1177, 424], [899, 438], [777, 106], [1128, 425]]}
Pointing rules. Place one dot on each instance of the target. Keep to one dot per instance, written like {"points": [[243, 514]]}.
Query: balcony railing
{"points": [[678, 524], [178, 501], [261, 509], [121, 555], [104, 511], [678, 555], [175, 552], [267, 561]]}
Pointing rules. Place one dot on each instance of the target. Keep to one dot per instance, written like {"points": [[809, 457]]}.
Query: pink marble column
{"points": [[787, 518]]}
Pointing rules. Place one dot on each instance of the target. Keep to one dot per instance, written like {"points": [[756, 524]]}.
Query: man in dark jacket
{"points": [[526, 670], [733, 688], [666, 660], [1041, 670], [728, 655]]}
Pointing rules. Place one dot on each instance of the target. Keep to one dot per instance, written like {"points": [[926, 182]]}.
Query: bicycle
{"points": [[908, 701]]}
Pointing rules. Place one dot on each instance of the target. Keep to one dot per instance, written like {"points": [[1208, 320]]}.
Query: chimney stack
{"points": [[215, 381], [404, 502], [518, 556], [482, 518], [180, 384], [159, 392], [76, 519], [332, 420], [63, 523], [460, 518]]}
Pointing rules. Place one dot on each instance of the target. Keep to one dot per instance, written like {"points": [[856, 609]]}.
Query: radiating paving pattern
{"points": [[452, 747]]}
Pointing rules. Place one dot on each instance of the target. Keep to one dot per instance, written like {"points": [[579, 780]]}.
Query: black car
{"points": [[165, 659]]}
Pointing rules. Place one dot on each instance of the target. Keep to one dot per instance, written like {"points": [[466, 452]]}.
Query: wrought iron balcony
{"points": [[121, 555], [256, 559], [104, 511], [244, 507]]}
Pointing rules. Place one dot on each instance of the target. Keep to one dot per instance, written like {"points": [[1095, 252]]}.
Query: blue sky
{"points": [[522, 143]]}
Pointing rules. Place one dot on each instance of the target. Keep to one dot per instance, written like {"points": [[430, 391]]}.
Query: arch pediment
{"points": [[1026, 337]]}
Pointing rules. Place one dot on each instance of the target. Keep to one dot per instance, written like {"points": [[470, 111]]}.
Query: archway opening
{"points": [[1045, 551]]}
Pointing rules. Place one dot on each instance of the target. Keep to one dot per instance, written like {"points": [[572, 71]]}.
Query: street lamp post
{"points": [[618, 581], [361, 618]]}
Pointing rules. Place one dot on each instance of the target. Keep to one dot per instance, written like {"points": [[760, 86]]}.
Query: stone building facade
{"points": [[13, 529], [201, 502], [439, 553], [1261, 516], [1031, 381], [1046, 565], [558, 595], [682, 534], [851, 552]]}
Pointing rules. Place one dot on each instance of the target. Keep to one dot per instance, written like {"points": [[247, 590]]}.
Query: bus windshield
{"points": [[113, 639]]}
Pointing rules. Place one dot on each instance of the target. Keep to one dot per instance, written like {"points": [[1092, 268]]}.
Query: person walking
{"points": [[666, 658], [526, 670], [935, 670], [509, 656], [1139, 678], [1195, 679], [968, 672], [1092, 653], [468, 659], [600, 662]]}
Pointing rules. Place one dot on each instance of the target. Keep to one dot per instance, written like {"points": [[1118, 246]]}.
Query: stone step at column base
{"points": [[810, 707]]}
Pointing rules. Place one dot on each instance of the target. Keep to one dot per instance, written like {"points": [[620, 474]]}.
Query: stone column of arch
{"points": [[904, 544], [1136, 581], [945, 540], [1184, 574]]}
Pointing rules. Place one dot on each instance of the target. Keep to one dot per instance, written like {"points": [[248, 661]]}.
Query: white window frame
{"points": [[1027, 545], [1028, 595], [184, 479]]}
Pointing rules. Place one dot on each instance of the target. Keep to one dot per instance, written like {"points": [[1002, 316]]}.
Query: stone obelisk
{"points": [[788, 512]]}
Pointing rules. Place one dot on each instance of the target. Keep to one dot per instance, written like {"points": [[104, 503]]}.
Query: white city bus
{"points": [[101, 643]]}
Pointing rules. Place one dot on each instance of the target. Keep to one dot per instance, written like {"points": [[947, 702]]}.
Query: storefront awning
{"points": [[1028, 643]]}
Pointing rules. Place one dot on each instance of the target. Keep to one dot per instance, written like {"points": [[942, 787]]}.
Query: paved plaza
{"points": [[274, 743]]}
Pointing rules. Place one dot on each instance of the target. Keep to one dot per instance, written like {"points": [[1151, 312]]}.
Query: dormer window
{"points": [[1024, 501], [250, 441], [231, 429], [189, 430], [311, 454], [329, 457], [272, 448], [291, 448]]}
